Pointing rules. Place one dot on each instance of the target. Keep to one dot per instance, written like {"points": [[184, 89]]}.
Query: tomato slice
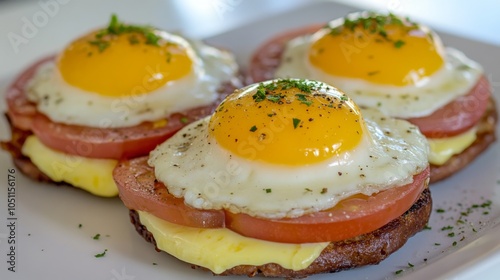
{"points": [[454, 118], [20, 110], [458, 116], [139, 190], [351, 217], [115, 143]]}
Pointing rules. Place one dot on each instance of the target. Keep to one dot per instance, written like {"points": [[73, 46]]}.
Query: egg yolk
{"points": [[287, 123], [122, 65], [396, 54]]}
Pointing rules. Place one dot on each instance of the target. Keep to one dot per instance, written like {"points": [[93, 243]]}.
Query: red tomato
{"points": [[351, 217], [20, 110], [139, 190], [454, 118], [458, 116], [113, 143]]}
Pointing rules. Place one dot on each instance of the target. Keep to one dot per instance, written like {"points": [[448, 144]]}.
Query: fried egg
{"points": [[383, 61], [284, 148], [121, 77]]}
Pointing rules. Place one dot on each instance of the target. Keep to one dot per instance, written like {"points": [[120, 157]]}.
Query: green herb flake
{"points": [[410, 265], [101, 45], [446, 228], [116, 28], [296, 122], [440, 210], [184, 120], [398, 271], [260, 94], [268, 190], [97, 236], [303, 99], [100, 255], [399, 43], [274, 97], [253, 128], [80, 225], [375, 24], [324, 190], [451, 234]]}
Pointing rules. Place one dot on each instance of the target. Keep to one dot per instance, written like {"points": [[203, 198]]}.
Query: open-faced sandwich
{"points": [[287, 178], [113, 93], [401, 68]]}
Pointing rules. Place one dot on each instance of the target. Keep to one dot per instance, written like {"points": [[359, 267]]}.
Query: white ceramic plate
{"points": [[50, 244]]}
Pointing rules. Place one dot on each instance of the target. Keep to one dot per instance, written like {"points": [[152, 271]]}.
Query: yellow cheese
{"points": [[442, 149], [92, 175], [221, 249]]}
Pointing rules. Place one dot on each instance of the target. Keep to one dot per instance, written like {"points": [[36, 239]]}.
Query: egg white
{"points": [[456, 78], [67, 104], [192, 165]]}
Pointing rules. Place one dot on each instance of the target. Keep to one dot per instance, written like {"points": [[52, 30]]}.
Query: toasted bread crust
{"points": [[370, 248], [23, 163]]}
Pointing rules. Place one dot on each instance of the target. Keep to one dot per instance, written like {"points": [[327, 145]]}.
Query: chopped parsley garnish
{"points": [[303, 99], [184, 120], [399, 43], [253, 128], [274, 97], [268, 190], [80, 225], [115, 28], [266, 91], [376, 24], [97, 236], [398, 272], [446, 228], [101, 45], [100, 255], [295, 122], [440, 210]]}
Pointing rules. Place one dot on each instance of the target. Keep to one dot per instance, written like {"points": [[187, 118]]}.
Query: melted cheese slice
{"points": [[90, 174], [442, 149], [221, 249]]}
